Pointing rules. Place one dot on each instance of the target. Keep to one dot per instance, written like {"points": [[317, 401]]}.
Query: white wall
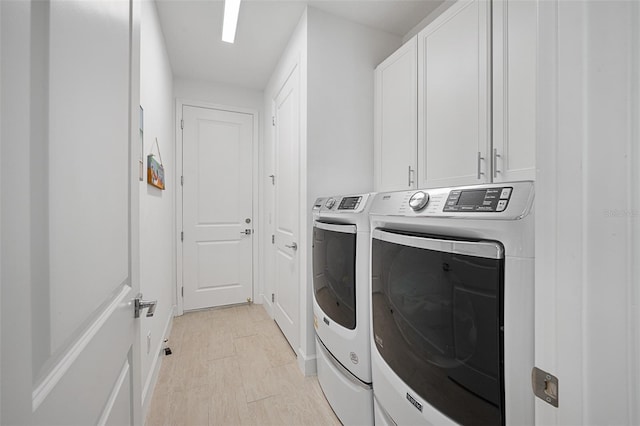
{"points": [[341, 56], [587, 211], [336, 59], [157, 208], [219, 94]]}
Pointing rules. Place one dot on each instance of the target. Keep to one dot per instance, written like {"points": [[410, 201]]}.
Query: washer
{"points": [[341, 305], [452, 305]]}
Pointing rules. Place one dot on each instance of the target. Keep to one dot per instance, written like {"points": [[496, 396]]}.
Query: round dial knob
{"points": [[330, 203], [418, 201]]}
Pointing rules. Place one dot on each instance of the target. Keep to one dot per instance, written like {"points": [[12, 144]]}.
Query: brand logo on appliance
{"points": [[386, 197], [414, 402], [326, 321], [354, 357]]}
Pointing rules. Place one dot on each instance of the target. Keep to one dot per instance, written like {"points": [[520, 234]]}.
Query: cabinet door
{"points": [[514, 89], [396, 115], [453, 94]]}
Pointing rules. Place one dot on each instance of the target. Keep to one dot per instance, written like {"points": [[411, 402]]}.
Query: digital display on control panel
{"points": [[471, 198], [349, 203], [478, 200]]}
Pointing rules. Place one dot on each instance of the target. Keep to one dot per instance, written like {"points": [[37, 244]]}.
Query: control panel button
{"points": [[418, 201], [502, 204], [330, 203], [505, 194]]}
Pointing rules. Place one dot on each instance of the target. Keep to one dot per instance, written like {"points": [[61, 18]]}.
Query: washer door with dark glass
{"points": [[334, 267], [437, 320]]}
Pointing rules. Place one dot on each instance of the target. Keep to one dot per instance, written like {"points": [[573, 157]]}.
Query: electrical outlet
{"points": [[148, 342]]}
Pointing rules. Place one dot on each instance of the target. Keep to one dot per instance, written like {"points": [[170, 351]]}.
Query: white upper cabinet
{"points": [[395, 132], [454, 97], [475, 97], [514, 89]]}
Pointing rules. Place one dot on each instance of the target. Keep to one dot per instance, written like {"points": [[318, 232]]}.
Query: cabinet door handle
{"points": [[410, 180], [495, 162], [480, 172]]}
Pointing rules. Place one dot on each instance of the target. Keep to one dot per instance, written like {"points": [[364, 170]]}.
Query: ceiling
{"points": [[193, 28]]}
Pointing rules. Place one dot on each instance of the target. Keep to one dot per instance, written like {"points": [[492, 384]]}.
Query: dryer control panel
{"points": [[478, 200], [342, 203], [511, 200]]}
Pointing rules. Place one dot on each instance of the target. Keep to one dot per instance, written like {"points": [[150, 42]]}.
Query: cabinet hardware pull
{"points": [[410, 180], [495, 162], [480, 158]]}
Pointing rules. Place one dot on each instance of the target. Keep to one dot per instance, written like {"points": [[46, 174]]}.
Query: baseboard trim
{"points": [[152, 378], [307, 363]]}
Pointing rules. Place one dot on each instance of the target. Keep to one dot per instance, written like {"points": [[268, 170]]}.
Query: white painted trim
{"points": [[255, 210], [178, 207], [152, 378], [57, 372], [307, 363], [114, 394]]}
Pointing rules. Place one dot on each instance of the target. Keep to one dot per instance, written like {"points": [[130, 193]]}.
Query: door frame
{"points": [[180, 103]]}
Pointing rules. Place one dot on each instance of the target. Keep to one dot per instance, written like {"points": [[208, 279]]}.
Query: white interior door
{"points": [[287, 141], [217, 207], [71, 354]]}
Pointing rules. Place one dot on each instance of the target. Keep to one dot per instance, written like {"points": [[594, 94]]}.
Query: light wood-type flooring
{"points": [[233, 366]]}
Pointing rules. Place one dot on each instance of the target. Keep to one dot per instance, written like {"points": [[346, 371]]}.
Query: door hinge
{"points": [[181, 123], [273, 239], [181, 235], [181, 180], [273, 297], [273, 120], [182, 291]]}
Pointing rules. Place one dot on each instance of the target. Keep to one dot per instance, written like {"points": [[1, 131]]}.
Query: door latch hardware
{"points": [[246, 232], [545, 386], [139, 304]]}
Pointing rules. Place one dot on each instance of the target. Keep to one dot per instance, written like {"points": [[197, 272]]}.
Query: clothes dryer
{"points": [[341, 305], [452, 305]]}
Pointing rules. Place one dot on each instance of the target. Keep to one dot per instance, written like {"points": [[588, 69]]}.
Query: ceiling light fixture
{"points": [[231, 10]]}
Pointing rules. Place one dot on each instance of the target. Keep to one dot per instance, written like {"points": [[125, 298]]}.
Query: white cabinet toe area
{"points": [[472, 116]]}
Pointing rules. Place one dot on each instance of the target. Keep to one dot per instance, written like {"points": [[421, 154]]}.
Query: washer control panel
{"points": [[418, 201], [350, 203], [343, 204], [502, 201], [478, 200]]}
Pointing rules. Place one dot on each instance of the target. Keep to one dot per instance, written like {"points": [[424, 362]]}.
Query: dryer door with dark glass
{"points": [[334, 267], [437, 320]]}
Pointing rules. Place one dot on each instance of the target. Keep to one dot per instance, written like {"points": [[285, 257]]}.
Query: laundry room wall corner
{"points": [[157, 207]]}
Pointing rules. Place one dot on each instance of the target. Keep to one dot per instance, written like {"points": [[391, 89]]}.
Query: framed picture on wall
{"points": [[155, 172], [155, 169]]}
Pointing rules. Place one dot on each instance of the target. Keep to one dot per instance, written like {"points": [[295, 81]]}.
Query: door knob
{"points": [[293, 246], [140, 304]]}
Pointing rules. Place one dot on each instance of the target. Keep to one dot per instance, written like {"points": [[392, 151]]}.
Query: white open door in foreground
{"points": [[70, 147]]}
